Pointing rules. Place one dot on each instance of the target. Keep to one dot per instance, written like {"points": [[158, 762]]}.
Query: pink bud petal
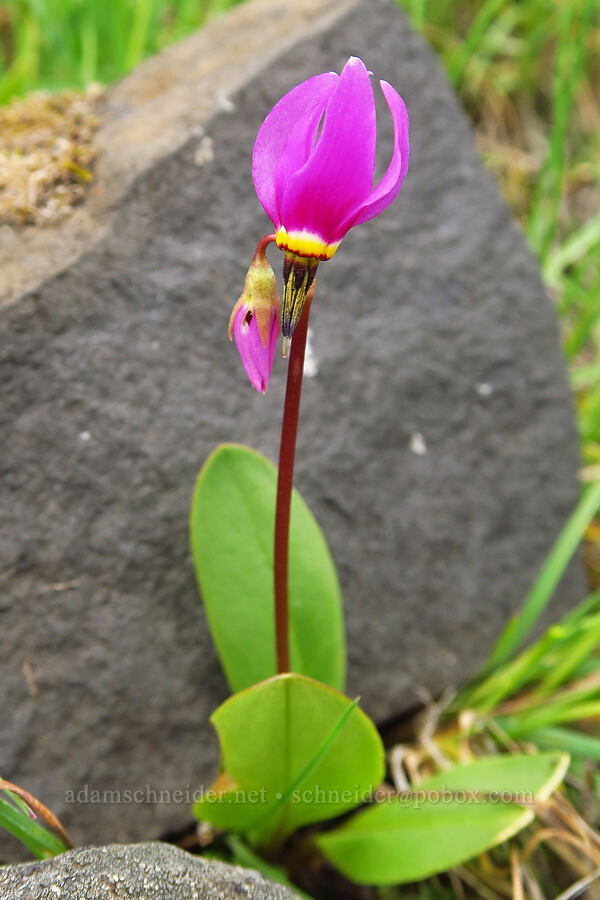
{"points": [[286, 138], [338, 175], [257, 360]]}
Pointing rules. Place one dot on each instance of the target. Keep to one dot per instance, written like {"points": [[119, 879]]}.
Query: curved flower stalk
{"points": [[316, 183], [313, 167]]}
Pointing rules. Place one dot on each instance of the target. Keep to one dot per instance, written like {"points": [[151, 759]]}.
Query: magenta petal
{"points": [[389, 187], [286, 136], [257, 360], [338, 175], [274, 329]]}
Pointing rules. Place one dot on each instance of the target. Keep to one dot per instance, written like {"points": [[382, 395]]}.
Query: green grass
{"points": [[57, 44], [529, 74]]}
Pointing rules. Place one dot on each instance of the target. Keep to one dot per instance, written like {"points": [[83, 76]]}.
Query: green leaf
{"points": [[28, 831], [231, 530], [395, 842], [293, 751]]}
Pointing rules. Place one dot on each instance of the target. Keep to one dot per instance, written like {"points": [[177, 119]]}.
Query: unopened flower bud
{"points": [[254, 321]]}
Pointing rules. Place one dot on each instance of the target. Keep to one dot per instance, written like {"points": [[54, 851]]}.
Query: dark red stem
{"points": [[285, 480]]}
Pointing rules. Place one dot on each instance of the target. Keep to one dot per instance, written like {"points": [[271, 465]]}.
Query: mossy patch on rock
{"points": [[46, 155]]}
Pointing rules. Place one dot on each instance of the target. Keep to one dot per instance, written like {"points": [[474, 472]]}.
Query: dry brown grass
{"points": [[46, 155]]}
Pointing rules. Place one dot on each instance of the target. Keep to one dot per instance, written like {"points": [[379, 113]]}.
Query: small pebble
{"points": [[417, 444], [311, 366], [224, 103], [205, 152]]}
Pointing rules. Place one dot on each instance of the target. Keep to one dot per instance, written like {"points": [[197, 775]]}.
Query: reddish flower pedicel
{"points": [[313, 168]]}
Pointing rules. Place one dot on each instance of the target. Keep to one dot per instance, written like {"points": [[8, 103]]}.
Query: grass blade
{"points": [[478, 30], [548, 578], [579, 243], [575, 20], [575, 743], [245, 856], [30, 833], [571, 660]]}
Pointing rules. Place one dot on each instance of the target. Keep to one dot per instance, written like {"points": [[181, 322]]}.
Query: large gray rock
{"points": [[436, 446], [136, 872]]}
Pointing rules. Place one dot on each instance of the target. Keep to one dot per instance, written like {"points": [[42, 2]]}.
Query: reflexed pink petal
{"points": [[389, 187], [272, 339], [339, 173], [257, 360], [286, 137]]}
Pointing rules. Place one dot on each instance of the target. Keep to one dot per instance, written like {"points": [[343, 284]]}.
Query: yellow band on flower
{"points": [[305, 243]]}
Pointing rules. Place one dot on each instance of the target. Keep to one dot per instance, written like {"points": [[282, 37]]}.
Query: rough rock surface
{"points": [[436, 446], [136, 872]]}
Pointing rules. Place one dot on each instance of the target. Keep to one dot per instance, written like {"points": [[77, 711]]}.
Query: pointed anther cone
{"points": [[298, 278]]}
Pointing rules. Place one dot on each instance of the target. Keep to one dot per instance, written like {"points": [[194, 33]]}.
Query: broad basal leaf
{"points": [[293, 751], [398, 841], [231, 529]]}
